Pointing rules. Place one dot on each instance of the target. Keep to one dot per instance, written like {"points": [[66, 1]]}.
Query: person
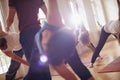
{"points": [[59, 45], [111, 28], [10, 46], [85, 40], [29, 24]]}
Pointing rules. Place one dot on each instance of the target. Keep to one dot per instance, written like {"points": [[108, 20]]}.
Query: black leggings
{"points": [[78, 67], [102, 40]]}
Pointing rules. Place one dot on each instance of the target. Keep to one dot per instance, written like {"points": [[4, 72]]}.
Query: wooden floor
{"points": [[114, 66], [110, 52]]}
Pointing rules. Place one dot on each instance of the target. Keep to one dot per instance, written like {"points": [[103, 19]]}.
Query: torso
{"points": [[27, 11]]}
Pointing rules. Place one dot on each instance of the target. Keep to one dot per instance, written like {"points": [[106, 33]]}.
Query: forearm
{"points": [[65, 72], [16, 58], [10, 17]]}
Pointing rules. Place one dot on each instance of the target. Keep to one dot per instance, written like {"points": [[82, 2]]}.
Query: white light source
{"points": [[43, 58], [75, 19]]}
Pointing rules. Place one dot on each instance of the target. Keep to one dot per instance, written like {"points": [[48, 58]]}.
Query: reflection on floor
{"points": [[109, 53]]}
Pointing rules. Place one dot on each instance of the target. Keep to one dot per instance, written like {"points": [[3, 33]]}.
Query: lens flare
{"points": [[43, 58]]}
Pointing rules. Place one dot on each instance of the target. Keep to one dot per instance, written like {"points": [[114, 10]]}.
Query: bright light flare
{"points": [[43, 58], [76, 19]]}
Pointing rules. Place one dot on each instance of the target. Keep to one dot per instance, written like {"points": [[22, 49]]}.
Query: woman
{"points": [[112, 27]]}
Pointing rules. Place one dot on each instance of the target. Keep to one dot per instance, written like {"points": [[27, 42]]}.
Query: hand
{"points": [[91, 65]]}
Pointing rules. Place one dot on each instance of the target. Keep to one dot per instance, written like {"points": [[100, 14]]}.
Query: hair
{"points": [[3, 42], [84, 38]]}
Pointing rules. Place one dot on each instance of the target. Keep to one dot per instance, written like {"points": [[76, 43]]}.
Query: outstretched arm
{"points": [[16, 58]]}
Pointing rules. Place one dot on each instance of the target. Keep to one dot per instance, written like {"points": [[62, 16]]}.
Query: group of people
{"points": [[59, 53], [53, 40]]}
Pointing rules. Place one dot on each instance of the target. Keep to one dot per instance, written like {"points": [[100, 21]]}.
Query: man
{"points": [[29, 24], [112, 27], [9, 44]]}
